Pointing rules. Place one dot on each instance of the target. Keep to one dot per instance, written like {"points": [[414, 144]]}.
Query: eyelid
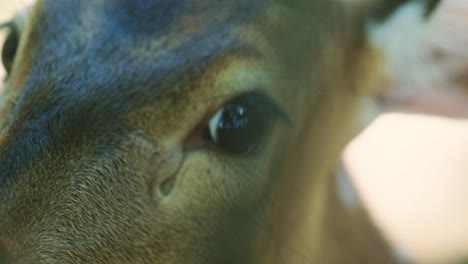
{"points": [[275, 109], [10, 27], [18, 21], [266, 101], [7, 25]]}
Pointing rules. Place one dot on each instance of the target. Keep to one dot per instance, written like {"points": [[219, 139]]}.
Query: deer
{"points": [[137, 131]]}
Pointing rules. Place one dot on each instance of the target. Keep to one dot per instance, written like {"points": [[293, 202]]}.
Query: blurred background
{"points": [[411, 170]]}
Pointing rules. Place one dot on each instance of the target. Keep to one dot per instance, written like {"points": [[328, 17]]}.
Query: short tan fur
{"points": [[101, 158]]}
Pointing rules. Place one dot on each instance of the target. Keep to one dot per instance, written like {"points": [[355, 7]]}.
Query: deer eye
{"points": [[9, 49], [242, 124]]}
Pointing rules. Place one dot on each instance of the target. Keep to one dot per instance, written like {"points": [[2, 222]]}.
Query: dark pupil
{"points": [[243, 125], [9, 50]]}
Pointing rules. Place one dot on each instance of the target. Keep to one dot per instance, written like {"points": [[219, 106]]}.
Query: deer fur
{"points": [[103, 94]]}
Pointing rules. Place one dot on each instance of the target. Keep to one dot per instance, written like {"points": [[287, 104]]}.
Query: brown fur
{"points": [[103, 95]]}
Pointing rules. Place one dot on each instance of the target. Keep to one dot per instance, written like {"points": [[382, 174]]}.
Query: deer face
{"points": [[174, 131]]}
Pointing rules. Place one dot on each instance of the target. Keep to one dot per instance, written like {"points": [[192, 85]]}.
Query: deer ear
{"points": [[424, 61]]}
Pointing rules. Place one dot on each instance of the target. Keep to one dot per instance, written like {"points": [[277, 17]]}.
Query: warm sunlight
{"points": [[412, 171]]}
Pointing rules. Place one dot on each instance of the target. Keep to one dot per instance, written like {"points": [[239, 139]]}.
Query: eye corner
{"points": [[275, 109]]}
